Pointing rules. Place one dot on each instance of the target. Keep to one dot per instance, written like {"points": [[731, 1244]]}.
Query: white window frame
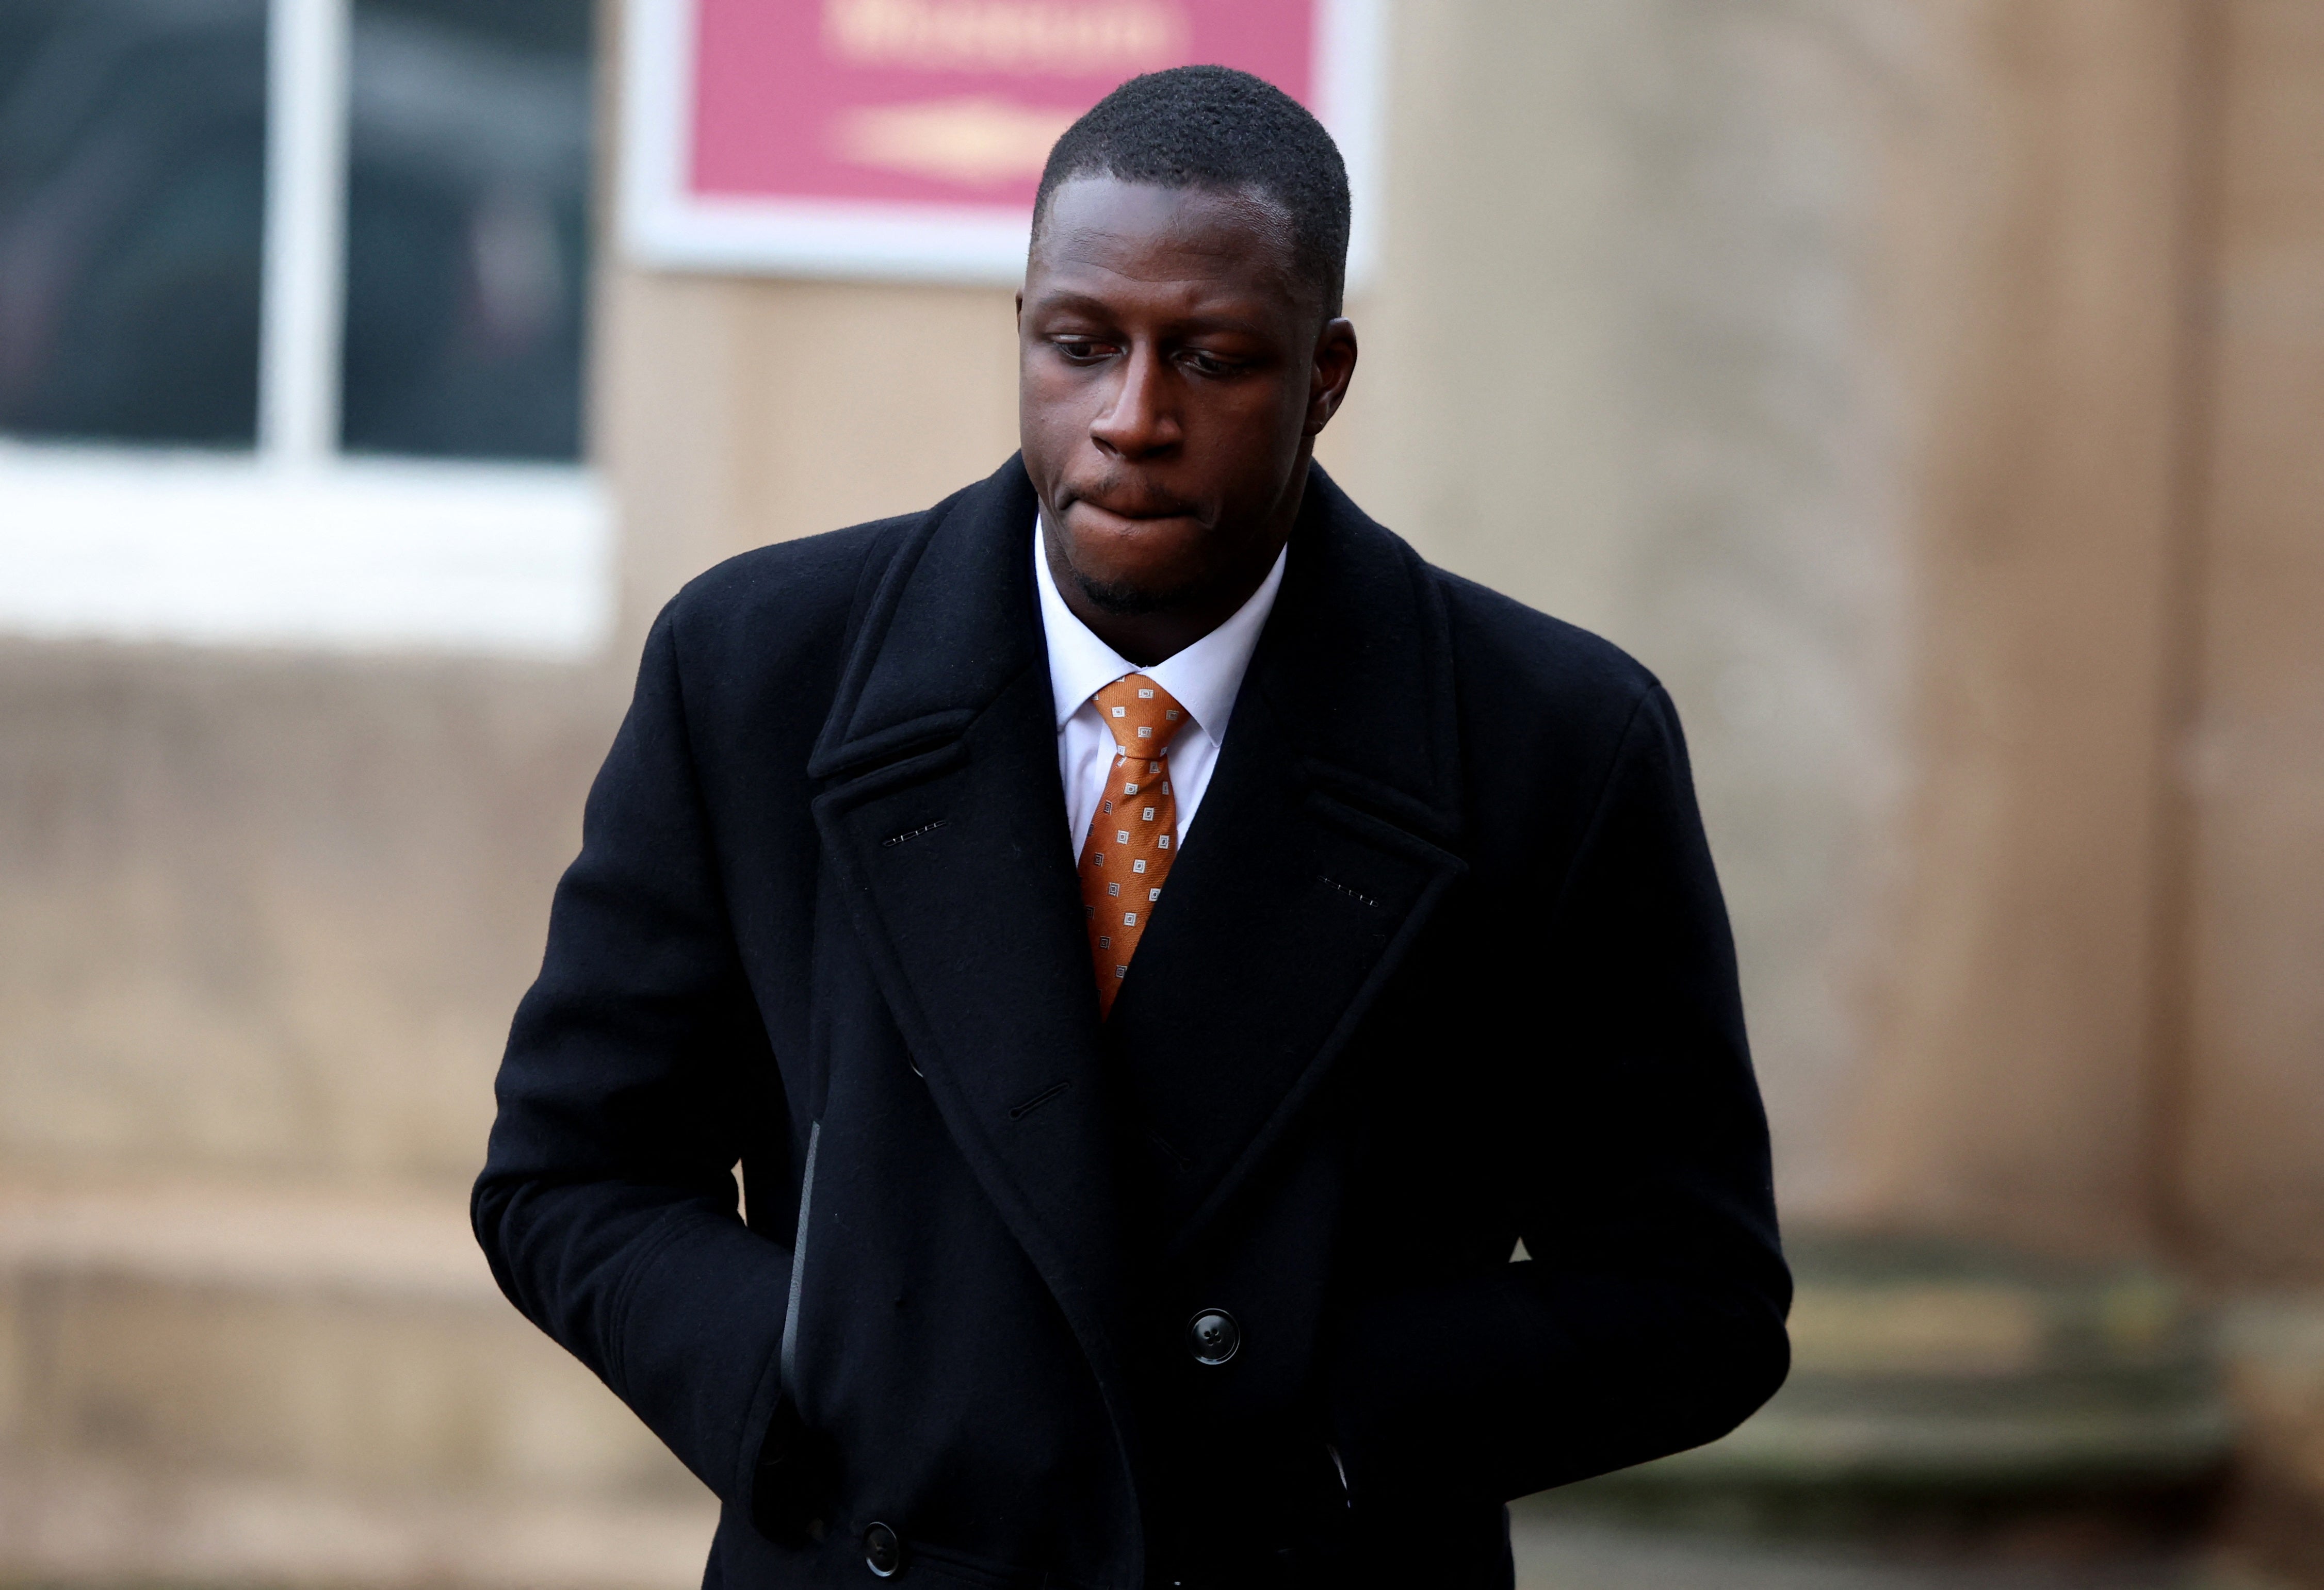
{"points": [[293, 543]]}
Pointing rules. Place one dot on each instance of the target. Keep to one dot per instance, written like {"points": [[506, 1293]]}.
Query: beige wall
{"points": [[2249, 1137], [1833, 357], [737, 412], [268, 914], [1852, 363], [2034, 284]]}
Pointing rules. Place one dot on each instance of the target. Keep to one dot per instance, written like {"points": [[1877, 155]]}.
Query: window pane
{"points": [[467, 227], [132, 144]]}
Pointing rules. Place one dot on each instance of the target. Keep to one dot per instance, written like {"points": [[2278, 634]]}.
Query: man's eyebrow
{"points": [[1084, 303]]}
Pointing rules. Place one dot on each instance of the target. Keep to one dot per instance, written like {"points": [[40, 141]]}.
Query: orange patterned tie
{"points": [[1135, 832]]}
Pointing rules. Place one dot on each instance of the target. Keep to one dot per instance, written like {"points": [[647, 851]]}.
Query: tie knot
{"points": [[1141, 714]]}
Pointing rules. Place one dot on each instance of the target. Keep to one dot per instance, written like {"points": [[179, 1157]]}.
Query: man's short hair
{"points": [[1215, 127]]}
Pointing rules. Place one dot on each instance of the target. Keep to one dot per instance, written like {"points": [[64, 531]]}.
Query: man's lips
{"points": [[1131, 509]]}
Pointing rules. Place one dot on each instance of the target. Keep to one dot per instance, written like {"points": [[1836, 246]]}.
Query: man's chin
{"points": [[1131, 598]]}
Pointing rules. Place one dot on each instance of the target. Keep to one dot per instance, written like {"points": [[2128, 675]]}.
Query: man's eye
{"points": [[1204, 363], [1082, 347]]}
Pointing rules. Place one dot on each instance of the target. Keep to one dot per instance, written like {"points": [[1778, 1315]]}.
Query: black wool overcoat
{"points": [[1444, 966]]}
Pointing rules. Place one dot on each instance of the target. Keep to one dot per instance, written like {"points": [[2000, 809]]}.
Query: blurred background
{"points": [[1931, 390]]}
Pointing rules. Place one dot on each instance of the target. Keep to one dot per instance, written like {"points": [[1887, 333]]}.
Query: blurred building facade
{"points": [[1931, 393]]}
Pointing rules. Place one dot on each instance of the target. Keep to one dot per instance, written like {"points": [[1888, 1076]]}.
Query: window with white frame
{"points": [[292, 316]]}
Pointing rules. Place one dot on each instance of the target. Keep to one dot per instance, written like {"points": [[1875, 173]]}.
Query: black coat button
{"points": [[1213, 1337], [883, 1554]]}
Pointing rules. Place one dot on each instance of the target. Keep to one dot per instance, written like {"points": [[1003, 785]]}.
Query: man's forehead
{"points": [[1098, 233]]}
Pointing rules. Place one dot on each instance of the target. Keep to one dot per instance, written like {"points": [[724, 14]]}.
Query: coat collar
{"points": [[951, 627], [1326, 842]]}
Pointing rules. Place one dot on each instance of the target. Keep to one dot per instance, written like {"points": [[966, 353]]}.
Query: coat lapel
{"points": [[1320, 850], [943, 819]]}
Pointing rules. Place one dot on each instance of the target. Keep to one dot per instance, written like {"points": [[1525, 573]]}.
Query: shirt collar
{"points": [[1203, 678]]}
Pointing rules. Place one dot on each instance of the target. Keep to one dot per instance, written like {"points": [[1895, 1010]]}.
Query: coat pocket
{"points": [[793, 1488], [789, 1354]]}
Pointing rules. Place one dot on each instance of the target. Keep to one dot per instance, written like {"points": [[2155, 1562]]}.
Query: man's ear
{"points": [[1334, 367]]}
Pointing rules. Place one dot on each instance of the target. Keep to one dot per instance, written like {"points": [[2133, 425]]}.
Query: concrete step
{"points": [[299, 1385], [81, 1521], [1938, 1376]]}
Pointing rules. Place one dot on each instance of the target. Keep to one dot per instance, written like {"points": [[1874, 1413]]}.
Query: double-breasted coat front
{"points": [[1444, 967]]}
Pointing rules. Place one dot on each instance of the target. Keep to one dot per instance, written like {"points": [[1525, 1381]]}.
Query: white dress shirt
{"points": [[1203, 678]]}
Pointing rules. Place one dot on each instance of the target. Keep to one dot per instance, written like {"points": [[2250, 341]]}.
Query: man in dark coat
{"points": [[1074, 1260]]}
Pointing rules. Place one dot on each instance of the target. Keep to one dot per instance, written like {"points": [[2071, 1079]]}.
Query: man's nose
{"points": [[1140, 419]]}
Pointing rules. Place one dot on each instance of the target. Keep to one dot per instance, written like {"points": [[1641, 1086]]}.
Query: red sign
{"points": [[905, 137]]}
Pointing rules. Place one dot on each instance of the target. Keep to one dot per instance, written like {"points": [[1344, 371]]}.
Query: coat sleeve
{"points": [[1649, 1316], [607, 1206]]}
